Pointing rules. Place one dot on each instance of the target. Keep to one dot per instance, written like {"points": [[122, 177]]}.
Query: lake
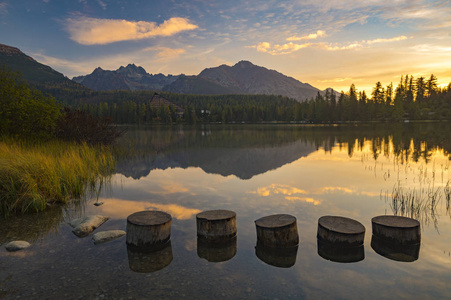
{"points": [[354, 171]]}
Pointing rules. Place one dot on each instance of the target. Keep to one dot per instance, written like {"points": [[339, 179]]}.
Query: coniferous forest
{"points": [[411, 99]]}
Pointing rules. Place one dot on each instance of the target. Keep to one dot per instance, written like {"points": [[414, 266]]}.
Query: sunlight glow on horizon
{"points": [[328, 44]]}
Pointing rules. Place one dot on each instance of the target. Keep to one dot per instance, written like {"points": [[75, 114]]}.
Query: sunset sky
{"points": [[325, 43]]}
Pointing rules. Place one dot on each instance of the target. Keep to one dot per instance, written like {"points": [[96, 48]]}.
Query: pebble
{"points": [[17, 245]]}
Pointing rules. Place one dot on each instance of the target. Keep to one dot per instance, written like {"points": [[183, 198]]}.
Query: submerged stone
{"points": [[107, 236], [84, 226], [17, 245]]}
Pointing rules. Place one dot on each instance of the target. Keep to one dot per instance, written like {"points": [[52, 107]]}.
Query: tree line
{"points": [[412, 99], [27, 113]]}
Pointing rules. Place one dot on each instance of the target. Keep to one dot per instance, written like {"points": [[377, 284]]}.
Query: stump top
{"points": [[149, 217], [275, 221], [395, 221], [341, 224], [213, 215]]}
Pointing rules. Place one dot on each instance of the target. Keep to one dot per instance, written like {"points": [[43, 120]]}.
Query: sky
{"points": [[329, 43]]}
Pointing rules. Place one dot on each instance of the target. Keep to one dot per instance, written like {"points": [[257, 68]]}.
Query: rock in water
{"points": [[106, 236], [17, 245], [84, 226]]}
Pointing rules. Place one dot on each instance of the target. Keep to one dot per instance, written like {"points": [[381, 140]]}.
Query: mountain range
{"points": [[241, 78]]}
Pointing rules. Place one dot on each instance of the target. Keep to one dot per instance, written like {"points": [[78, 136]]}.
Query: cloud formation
{"points": [[312, 36], [291, 47], [165, 53], [92, 31]]}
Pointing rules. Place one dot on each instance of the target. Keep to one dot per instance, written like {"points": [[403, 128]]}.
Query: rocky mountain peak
{"points": [[132, 69], [9, 50], [244, 64]]}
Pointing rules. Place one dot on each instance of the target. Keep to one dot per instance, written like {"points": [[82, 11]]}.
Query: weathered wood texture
{"points": [[340, 231], [396, 229], [148, 230], [216, 225], [277, 231]]}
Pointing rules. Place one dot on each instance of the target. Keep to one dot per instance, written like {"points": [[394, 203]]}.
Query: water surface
{"points": [[254, 170]]}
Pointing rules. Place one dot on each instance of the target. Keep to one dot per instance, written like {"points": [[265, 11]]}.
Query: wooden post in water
{"points": [[396, 229], [279, 230], [216, 226], [340, 231], [148, 230]]}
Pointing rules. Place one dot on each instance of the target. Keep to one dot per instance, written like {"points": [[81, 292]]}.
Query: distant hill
{"points": [[131, 77], [37, 74], [247, 78], [242, 78]]}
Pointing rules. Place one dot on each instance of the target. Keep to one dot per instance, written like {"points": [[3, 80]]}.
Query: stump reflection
{"points": [[144, 261], [395, 251], [282, 257], [338, 253], [216, 251]]}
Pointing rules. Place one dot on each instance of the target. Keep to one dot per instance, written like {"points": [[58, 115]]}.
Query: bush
{"points": [[25, 112], [79, 126]]}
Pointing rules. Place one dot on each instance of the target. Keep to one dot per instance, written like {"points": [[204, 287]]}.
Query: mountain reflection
{"points": [[249, 150]]}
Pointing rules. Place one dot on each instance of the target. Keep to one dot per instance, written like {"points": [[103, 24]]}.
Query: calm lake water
{"points": [[254, 170]]}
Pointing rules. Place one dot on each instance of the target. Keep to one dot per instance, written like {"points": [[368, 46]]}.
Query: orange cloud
{"points": [[92, 31], [304, 199], [278, 189]]}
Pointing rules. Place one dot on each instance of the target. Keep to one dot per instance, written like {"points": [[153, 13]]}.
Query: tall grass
{"points": [[34, 175], [420, 204]]}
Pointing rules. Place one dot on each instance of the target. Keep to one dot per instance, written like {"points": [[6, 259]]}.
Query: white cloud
{"points": [[102, 4], [277, 49], [3, 8], [395, 39], [312, 36], [91, 31]]}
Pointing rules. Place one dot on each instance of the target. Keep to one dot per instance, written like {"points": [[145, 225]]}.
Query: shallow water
{"points": [[305, 171]]}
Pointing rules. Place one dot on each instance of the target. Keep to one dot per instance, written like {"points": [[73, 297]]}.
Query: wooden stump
{"points": [[148, 230], [216, 225], [216, 252], [340, 231], [277, 231], [397, 252], [397, 230], [148, 262], [281, 257], [340, 254]]}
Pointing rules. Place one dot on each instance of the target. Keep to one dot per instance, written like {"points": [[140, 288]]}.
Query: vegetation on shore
{"points": [[37, 174], [47, 154]]}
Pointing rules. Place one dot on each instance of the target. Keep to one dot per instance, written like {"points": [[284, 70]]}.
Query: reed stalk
{"points": [[32, 176]]}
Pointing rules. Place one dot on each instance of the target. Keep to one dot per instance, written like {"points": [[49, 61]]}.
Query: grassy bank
{"points": [[32, 175]]}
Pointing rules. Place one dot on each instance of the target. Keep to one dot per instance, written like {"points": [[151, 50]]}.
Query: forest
{"points": [[412, 99]]}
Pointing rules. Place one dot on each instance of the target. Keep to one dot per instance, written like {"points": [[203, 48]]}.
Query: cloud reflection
{"points": [[121, 209], [295, 194]]}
